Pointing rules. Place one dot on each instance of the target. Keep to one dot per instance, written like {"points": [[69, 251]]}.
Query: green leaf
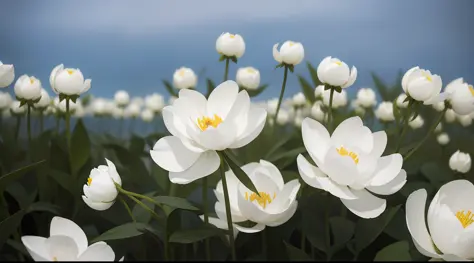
{"points": [[342, 230], [210, 87], [381, 87], [80, 147], [175, 202], [222, 58], [9, 225], [291, 153], [295, 254], [278, 144], [121, 232], [367, 230], [399, 251], [173, 222], [63, 179], [435, 174], [169, 88], [137, 145], [193, 235], [239, 173], [15, 175], [141, 215], [256, 92], [307, 89], [44, 207], [314, 74]]}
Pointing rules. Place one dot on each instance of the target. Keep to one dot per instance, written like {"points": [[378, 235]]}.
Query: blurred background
{"points": [[133, 45]]}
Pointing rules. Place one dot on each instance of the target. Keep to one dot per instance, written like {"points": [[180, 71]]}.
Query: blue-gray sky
{"points": [[132, 45]]}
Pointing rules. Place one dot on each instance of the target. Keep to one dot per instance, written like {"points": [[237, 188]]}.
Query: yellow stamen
{"points": [[89, 181], [250, 70], [70, 71], [32, 80], [262, 200], [55, 259], [181, 72], [465, 218], [338, 63], [291, 43], [344, 152], [231, 35], [471, 89], [204, 122], [427, 76]]}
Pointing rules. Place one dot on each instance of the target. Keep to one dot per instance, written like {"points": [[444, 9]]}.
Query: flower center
{"points": [[471, 89], [32, 80], [427, 76], [465, 218], [181, 72], [262, 200], [338, 63], [344, 152], [89, 181], [205, 122], [250, 70], [70, 71], [231, 35], [291, 43], [55, 258]]}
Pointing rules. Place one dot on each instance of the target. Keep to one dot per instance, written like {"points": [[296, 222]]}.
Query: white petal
{"points": [[99, 206], [284, 216], [207, 163], [219, 208], [416, 223], [316, 139], [113, 172], [65, 227], [387, 169], [87, 85], [249, 209], [448, 257], [284, 198], [344, 132], [54, 72], [99, 251], [170, 154], [366, 205], [222, 99], [274, 173], [352, 78], [391, 187], [219, 138], [255, 229], [380, 142], [172, 123], [255, 123], [276, 54], [36, 246], [322, 67], [62, 248], [341, 169]]}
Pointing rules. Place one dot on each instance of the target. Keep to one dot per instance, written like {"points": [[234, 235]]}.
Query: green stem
{"points": [[128, 193], [403, 132], [331, 97], [28, 124], [127, 208], [68, 124], [206, 216], [17, 127], [227, 209], [226, 72], [173, 189], [282, 92], [433, 127], [57, 124], [41, 120]]}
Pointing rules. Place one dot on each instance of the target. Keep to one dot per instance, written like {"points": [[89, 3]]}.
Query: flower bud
{"points": [[439, 106], [421, 85], [7, 75], [460, 162], [5, 101], [299, 99], [366, 97], [248, 78], [133, 110], [318, 91], [154, 102], [400, 101], [28, 88], [336, 73], [230, 45], [317, 113], [464, 120], [184, 78], [450, 116], [44, 101], [443, 138], [147, 115], [283, 117], [16, 108], [384, 111], [291, 53], [121, 98], [338, 100], [416, 123], [68, 81], [460, 96]]}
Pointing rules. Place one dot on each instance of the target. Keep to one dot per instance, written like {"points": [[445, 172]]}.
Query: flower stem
{"points": [[41, 119], [283, 85], [68, 124], [330, 118], [433, 127], [128, 193], [127, 208], [17, 127], [206, 216], [28, 124], [227, 209], [403, 132], [226, 72]]}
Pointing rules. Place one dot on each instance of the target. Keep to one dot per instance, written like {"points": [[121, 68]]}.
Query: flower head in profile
{"points": [[5, 100], [350, 165], [200, 127], [100, 191], [68, 81], [422, 86], [248, 78], [460, 96], [384, 111], [366, 97], [460, 162], [290, 53], [275, 205], [121, 98], [28, 88], [335, 72], [184, 78], [449, 235], [7, 75], [230, 45], [66, 242]]}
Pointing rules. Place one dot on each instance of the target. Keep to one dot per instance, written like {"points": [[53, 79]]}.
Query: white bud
{"points": [[460, 162], [248, 78], [366, 97], [299, 99], [450, 116], [121, 98], [400, 100], [7, 75], [147, 115], [339, 99], [16, 109], [68, 81], [384, 111], [417, 122], [28, 88], [44, 101], [291, 53], [443, 138], [154, 102], [317, 113], [230, 45], [318, 91], [336, 73], [5, 100], [184, 78], [421, 85]]}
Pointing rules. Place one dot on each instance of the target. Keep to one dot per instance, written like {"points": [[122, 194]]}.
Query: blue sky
{"points": [[132, 45]]}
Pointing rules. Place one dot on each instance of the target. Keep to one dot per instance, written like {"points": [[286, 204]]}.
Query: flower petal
{"points": [[391, 187], [387, 169], [65, 227], [352, 78], [255, 229], [316, 139], [113, 172], [36, 246], [62, 248], [366, 205], [219, 208], [274, 173], [207, 163], [284, 198], [99, 206], [222, 99], [276, 53], [380, 142], [255, 123], [284, 216], [99, 251], [170, 154]]}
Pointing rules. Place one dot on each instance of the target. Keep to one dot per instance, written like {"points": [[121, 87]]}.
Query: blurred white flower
{"points": [[416, 123], [44, 101], [248, 78], [66, 242], [460, 162], [61, 106], [79, 111], [133, 110], [147, 115], [68, 81], [121, 98], [439, 106], [358, 109], [28, 88], [336, 73], [5, 100], [100, 191], [271, 106], [138, 101], [317, 113], [154, 102], [283, 117], [291, 53], [184, 78], [7, 75], [461, 96], [230, 45], [366, 97], [338, 100], [200, 127], [450, 218], [384, 111], [349, 165], [318, 91], [16, 109], [275, 206], [450, 116], [421, 85], [299, 99], [400, 100], [464, 120], [443, 138], [98, 106]]}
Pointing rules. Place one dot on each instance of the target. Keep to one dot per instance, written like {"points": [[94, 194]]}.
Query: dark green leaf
{"points": [[175, 202], [193, 235], [80, 147], [169, 88], [398, 251], [9, 225], [44, 207], [239, 173], [140, 214], [256, 92], [314, 75], [278, 144], [295, 254], [291, 153], [15, 175], [381, 87], [121, 232], [210, 87], [307, 89], [342, 230]]}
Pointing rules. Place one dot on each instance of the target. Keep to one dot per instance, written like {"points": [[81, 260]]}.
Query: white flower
{"points": [[99, 191], [28, 88], [299, 99], [275, 206], [336, 73], [460, 96], [248, 78], [366, 97], [184, 78], [291, 53], [317, 113], [439, 127], [359, 110], [338, 100], [16, 109], [283, 117], [5, 100], [66, 242], [384, 111], [460, 162], [449, 220], [154, 102], [439, 106], [147, 115], [201, 126], [230, 45], [450, 116], [400, 100], [421, 85], [271, 106], [443, 138], [7, 75], [98, 106], [68, 81], [133, 110], [138, 101], [44, 101], [464, 120], [350, 165], [318, 91], [79, 111], [416, 123], [121, 98]]}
